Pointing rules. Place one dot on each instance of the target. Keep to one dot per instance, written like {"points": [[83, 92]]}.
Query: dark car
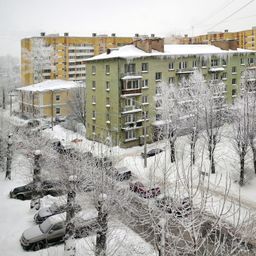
{"points": [[152, 152], [143, 191], [33, 123], [180, 208], [54, 209], [52, 231], [120, 174], [47, 187]]}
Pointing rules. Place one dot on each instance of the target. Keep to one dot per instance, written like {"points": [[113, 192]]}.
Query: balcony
{"points": [[185, 71], [131, 76], [131, 92], [130, 109], [216, 69]]}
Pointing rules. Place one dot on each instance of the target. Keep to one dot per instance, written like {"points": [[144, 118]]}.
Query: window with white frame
{"points": [[233, 70], [194, 63], [93, 69], [242, 61], [158, 76], [144, 99], [107, 116], [215, 76], [107, 69], [144, 83], [214, 62], [129, 118], [132, 84], [130, 134], [107, 85], [57, 97], [183, 65], [93, 128], [171, 66], [171, 80], [93, 99], [204, 63], [129, 68], [93, 85], [130, 102], [144, 67], [233, 81], [93, 114]]}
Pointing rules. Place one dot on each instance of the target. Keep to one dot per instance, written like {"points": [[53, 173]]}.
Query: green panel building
{"points": [[122, 84]]}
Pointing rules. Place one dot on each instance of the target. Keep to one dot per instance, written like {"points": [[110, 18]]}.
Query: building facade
{"points": [[122, 84], [246, 39], [48, 99], [64, 56]]}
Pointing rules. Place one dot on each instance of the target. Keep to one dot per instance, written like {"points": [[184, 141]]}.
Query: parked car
{"points": [[54, 209], [152, 152], [52, 231], [180, 208], [143, 191], [33, 123], [120, 174], [48, 187]]}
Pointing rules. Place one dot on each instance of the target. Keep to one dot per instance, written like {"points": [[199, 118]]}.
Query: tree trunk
{"points": [[101, 238], [35, 201], [254, 158], [211, 148], [9, 158], [192, 153], [69, 238], [2, 154], [4, 102], [242, 160]]}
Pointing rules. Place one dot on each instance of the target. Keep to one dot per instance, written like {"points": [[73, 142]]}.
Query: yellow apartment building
{"points": [[48, 99], [246, 38], [62, 57]]}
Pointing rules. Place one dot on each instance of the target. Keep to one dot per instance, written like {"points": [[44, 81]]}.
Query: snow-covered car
{"points": [[52, 231], [120, 174], [33, 123], [143, 191], [152, 152], [180, 208], [54, 209], [48, 187]]}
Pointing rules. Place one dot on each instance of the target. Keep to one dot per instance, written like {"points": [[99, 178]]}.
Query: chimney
{"points": [[226, 44], [94, 34], [226, 31], [42, 34], [113, 34], [152, 35], [66, 34], [136, 35], [186, 35], [149, 44]]}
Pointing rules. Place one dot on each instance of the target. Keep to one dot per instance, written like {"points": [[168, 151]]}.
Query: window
{"points": [[93, 69], [224, 62], [233, 81], [144, 83], [130, 134], [242, 61], [132, 84], [93, 129], [250, 61], [182, 65], [214, 63], [107, 85], [107, 69], [144, 67], [194, 63], [93, 114], [158, 117], [158, 103], [158, 76], [57, 111], [93, 99], [204, 63], [171, 80], [224, 76], [93, 85], [129, 68], [215, 76], [171, 66], [107, 117], [233, 92], [144, 99], [130, 118], [233, 70], [130, 102], [57, 97], [107, 101]]}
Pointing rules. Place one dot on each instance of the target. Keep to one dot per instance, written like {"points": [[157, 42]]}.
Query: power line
{"points": [[214, 12], [233, 13]]}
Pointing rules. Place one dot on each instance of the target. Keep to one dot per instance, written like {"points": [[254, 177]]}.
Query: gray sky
{"points": [[24, 18]]}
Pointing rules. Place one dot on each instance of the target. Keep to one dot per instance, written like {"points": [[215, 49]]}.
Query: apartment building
{"points": [[48, 99], [62, 57], [121, 84], [246, 38]]}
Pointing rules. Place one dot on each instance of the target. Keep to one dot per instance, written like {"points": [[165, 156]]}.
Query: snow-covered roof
{"points": [[50, 85], [130, 51]]}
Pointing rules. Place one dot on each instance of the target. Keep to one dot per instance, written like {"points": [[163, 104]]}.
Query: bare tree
{"points": [[9, 157]]}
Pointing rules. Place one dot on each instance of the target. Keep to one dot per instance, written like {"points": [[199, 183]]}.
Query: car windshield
{"points": [[45, 226]]}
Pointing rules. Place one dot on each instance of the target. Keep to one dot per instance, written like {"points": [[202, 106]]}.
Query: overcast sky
{"points": [[24, 18]]}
